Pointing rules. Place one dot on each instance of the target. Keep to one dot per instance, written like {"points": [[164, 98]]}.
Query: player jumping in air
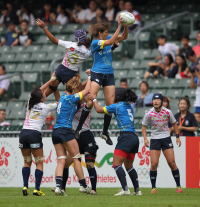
{"points": [[158, 118], [128, 142], [30, 139], [102, 73]]}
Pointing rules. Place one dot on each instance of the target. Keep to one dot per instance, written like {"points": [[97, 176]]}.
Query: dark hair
{"points": [[86, 43], [78, 3], [185, 98], [184, 66], [3, 110], [11, 23], [3, 67], [125, 95], [185, 36], [36, 96], [162, 37], [99, 27], [165, 99], [24, 21], [129, 2], [123, 80], [147, 85], [190, 53], [171, 60]]}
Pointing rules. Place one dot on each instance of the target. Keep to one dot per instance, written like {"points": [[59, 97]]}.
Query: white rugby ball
{"points": [[128, 18]]}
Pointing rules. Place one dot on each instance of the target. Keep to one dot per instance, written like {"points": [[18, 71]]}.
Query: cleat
{"points": [[179, 189], [93, 192], [77, 134], [105, 135], [139, 193], [57, 191], [122, 192], [25, 191], [85, 190], [38, 193], [153, 190]]}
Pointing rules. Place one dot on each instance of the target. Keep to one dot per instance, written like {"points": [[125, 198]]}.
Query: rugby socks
{"points": [[83, 183], [65, 177], [59, 181], [84, 115], [134, 178], [107, 120], [26, 173], [121, 176], [153, 175], [93, 178], [38, 178], [176, 176]]}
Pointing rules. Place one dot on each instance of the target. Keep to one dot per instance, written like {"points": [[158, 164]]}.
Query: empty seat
{"points": [[70, 28], [17, 49], [191, 93], [53, 55], [17, 114], [21, 57], [24, 67], [117, 65], [39, 67], [140, 112], [10, 67], [15, 106], [120, 74], [4, 49], [193, 35], [135, 74], [3, 105], [184, 83], [143, 65], [142, 54], [25, 96], [144, 39], [7, 58], [42, 39], [118, 52], [155, 83], [169, 83], [135, 83], [174, 93], [49, 48], [55, 29], [162, 91], [32, 80], [33, 48], [38, 57], [17, 123]]}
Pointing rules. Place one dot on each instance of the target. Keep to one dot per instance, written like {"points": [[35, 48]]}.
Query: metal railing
{"points": [[163, 21], [15, 74]]}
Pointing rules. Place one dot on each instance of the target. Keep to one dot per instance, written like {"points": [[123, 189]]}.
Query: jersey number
{"points": [[130, 114], [59, 106], [37, 113], [74, 58]]}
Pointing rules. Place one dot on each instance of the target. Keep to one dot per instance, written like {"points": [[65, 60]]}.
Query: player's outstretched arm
{"points": [[57, 95], [87, 88], [98, 108], [124, 35], [144, 134], [41, 24]]}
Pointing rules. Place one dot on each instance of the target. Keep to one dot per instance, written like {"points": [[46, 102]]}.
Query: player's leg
{"points": [[149, 72], [94, 88], [26, 153], [52, 88], [39, 157], [118, 160]]}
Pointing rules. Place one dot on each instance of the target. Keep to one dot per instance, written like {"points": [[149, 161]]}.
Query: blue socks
{"points": [[65, 177], [134, 178], [121, 176], [38, 178], [26, 173], [153, 175], [93, 178], [176, 176], [83, 183]]}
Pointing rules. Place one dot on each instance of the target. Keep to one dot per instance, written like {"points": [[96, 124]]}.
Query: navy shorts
{"points": [[158, 144], [64, 74], [103, 79], [62, 135], [87, 143], [29, 138], [128, 142]]}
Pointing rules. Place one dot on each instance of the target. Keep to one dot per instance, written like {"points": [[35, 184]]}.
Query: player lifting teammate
{"points": [[30, 139], [158, 118], [102, 73], [128, 142]]}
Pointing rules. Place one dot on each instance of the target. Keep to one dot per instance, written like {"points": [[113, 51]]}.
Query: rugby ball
{"points": [[128, 18]]}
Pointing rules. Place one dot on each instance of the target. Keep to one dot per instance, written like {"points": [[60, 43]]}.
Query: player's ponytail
{"points": [[130, 96], [36, 96]]}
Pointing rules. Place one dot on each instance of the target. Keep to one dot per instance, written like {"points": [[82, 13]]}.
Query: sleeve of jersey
{"points": [[97, 45], [64, 44], [52, 107], [172, 118], [77, 97], [110, 109], [145, 120]]}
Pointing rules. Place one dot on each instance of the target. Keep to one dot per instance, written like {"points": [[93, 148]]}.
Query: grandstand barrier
{"points": [[163, 21], [187, 159]]}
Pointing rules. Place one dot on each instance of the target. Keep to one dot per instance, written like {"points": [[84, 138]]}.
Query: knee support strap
{"points": [[62, 157], [53, 88], [77, 156], [27, 158], [90, 158], [39, 159]]}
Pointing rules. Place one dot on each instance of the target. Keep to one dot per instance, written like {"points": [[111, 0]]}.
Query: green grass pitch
{"points": [[164, 198]]}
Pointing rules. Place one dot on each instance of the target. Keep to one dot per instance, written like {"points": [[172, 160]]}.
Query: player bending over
{"points": [[102, 73], [158, 117], [63, 137], [128, 142], [30, 139]]}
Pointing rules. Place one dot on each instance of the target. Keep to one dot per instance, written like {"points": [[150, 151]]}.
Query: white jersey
{"points": [[75, 122], [36, 116], [168, 48], [75, 55], [159, 122]]}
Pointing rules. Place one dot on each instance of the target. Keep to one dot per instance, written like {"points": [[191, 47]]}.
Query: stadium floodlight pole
{"points": [[53, 63], [163, 21], [15, 74]]}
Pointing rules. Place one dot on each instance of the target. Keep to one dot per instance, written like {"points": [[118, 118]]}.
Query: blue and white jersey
{"points": [[102, 57], [67, 108], [124, 115]]}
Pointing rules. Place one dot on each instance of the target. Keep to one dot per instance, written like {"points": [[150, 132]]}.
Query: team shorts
{"points": [[128, 142], [62, 135], [196, 109], [29, 138], [103, 79], [158, 144], [87, 143], [152, 69], [64, 74]]}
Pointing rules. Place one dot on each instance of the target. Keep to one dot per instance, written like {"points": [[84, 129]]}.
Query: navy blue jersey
{"points": [[102, 56], [67, 108], [124, 115]]}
